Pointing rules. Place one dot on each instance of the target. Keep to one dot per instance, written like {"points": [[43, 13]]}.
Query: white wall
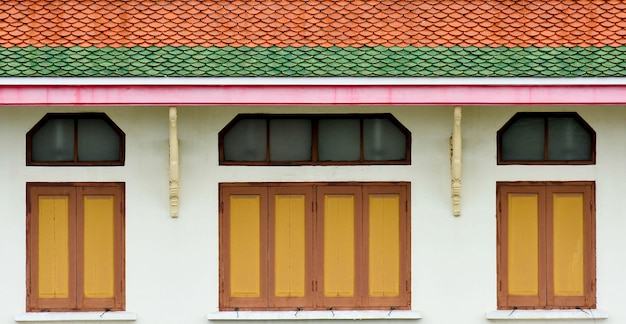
{"points": [[172, 264]]}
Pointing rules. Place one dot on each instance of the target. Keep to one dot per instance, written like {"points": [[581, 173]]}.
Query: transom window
{"points": [[75, 139], [314, 139], [314, 246], [546, 138]]}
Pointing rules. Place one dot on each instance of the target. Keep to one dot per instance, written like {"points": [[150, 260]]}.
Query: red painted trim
{"points": [[310, 95]]}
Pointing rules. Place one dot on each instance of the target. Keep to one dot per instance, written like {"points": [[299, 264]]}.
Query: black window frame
{"points": [[315, 118], [75, 117], [546, 161]]}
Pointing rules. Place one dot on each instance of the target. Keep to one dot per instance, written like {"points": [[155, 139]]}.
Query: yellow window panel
{"points": [[523, 244], [289, 246], [568, 244], [53, 247], [339, 245], [245, 246], [99, 246], [384, 245]]}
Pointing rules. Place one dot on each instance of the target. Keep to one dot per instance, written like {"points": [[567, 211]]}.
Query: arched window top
{"points": [[546, 138], [82, 139], [314, 140]]}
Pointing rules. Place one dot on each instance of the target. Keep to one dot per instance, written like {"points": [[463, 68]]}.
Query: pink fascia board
{"points": [[172, 95]]}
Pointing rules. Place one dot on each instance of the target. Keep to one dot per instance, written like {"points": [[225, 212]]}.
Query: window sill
{"points": [[75, 316], [313, 315], [541, 314]]}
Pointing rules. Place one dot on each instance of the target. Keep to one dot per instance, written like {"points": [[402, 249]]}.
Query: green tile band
{"points": [[313, 62]]}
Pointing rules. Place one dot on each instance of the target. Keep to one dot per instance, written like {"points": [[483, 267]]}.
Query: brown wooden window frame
{"points": [[75, 162], [314, 298], [76, 301], [314, 138], [547, 299], [546, 161]]}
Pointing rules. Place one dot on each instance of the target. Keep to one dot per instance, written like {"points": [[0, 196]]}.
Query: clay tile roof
{"points": [[313, 37], [501, 22]]}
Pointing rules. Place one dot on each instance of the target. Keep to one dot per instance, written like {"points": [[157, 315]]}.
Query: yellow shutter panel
{"points": [[523, 244], [339, 255], [99, 246], [568, 244], [289, 246], [53, 226], [384, 245], [245, 246]]}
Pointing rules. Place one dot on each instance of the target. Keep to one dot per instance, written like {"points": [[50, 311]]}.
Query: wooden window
{"points": [[546, 250], [314, 140], [546, 138], [75, 236], [314, 246], [75, 139]]}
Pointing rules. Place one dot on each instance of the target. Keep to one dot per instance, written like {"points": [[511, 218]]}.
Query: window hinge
{"points": [[221, 206]]}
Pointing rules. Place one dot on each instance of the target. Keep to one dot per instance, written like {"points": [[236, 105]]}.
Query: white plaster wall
{"points": [[172, 264]]}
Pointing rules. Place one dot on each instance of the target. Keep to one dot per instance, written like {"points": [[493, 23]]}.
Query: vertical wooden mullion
{"points": [[361, 140], [75, 140], [315, 140], [73, 243], [589, 233], [268, 157], [544, 222], [546, 131], [80, 251]]}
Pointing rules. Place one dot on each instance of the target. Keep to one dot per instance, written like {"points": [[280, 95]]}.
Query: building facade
{"points": [[205, 161]]}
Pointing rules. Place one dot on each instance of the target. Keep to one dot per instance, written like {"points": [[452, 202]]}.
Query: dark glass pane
{"points": [[290, 139], [524, 140], [382, 140], [97, 141], [568, 140], [339, 140], [54, 141], [246, 141]]}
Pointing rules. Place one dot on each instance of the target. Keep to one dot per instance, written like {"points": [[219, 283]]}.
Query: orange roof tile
{"points": [[299, 23]]}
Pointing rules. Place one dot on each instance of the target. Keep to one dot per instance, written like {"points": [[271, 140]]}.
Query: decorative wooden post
{"points": [[455, 162], [174, 163]]}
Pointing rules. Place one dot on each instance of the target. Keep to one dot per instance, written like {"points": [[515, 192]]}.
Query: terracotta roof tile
{"points": [[448, 22]]}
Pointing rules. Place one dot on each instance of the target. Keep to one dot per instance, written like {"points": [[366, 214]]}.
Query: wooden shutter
{"points": [[244, 247], [75, 246], [546, 245], [51, 221], [290, 246], [314, 246], [339, 230], [385, 246], [100, 245], [521, 235], [571, 250]]}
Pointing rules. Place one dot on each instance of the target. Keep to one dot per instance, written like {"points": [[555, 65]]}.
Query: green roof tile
{"points": [[312, 61]]}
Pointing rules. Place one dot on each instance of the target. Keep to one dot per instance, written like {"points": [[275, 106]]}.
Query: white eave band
{"points": [[309, 81]]}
